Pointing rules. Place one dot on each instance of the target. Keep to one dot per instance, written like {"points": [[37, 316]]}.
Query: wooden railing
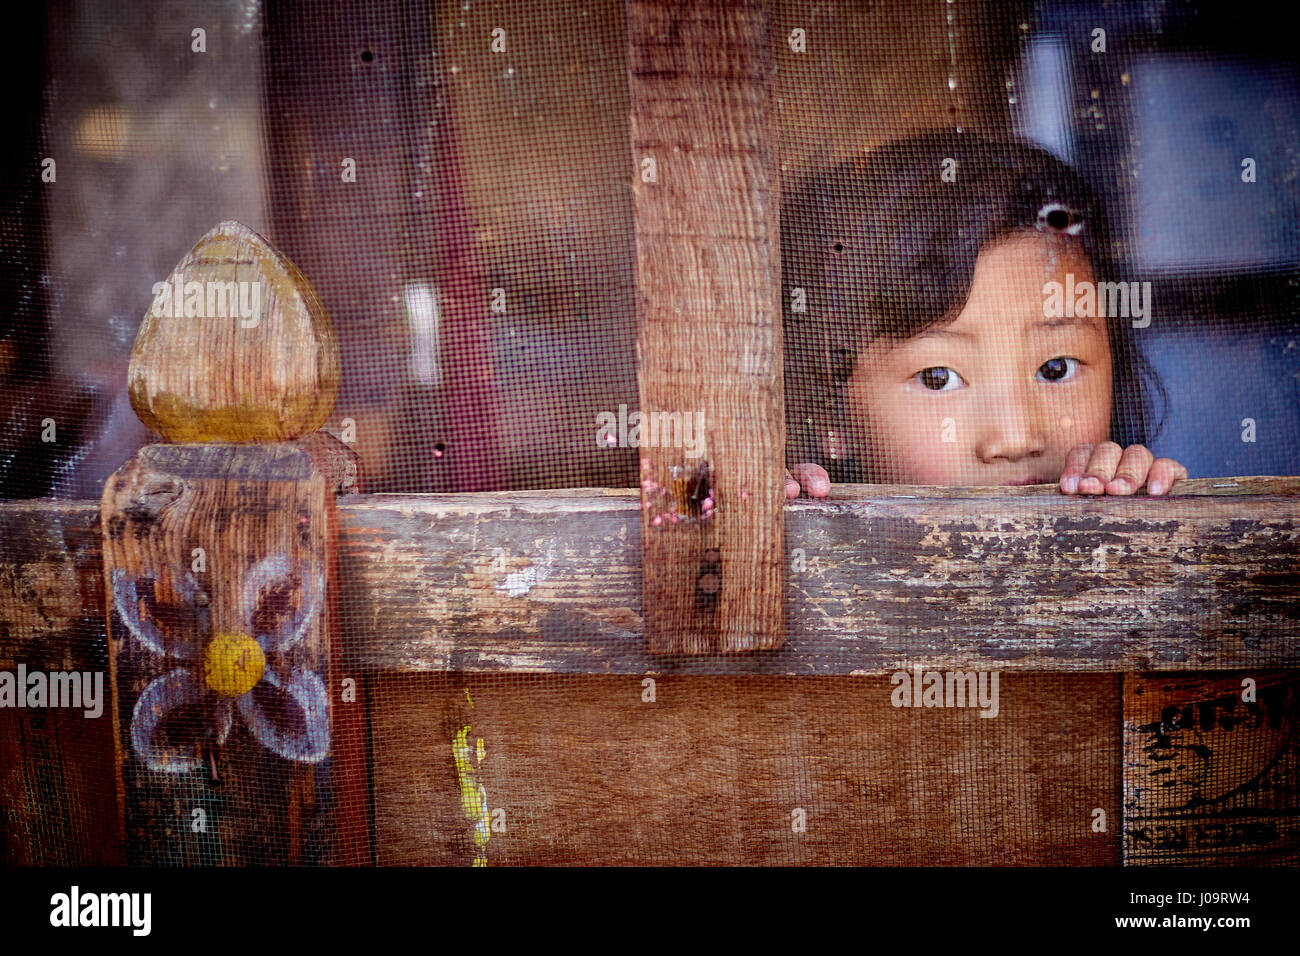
{"points": [[1077, 604]]}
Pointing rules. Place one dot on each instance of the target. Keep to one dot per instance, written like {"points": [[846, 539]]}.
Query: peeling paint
{"points": [[518, 583]]}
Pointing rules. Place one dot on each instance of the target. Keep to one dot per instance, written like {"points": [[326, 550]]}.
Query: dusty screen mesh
{"points": [[455, 182]]}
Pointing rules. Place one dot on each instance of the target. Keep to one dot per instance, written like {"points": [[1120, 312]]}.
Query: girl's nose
{"points": [[1013, 428]]}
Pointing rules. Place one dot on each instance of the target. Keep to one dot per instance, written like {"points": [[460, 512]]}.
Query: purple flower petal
{"points": [[172, 716], [168, 629], [270, 588], [290, 719]]}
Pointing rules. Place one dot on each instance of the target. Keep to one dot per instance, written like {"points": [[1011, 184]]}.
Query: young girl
{"points": [[933, 347]]}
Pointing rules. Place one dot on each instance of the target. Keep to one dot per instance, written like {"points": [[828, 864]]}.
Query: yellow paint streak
{"points": [[473, 796]]}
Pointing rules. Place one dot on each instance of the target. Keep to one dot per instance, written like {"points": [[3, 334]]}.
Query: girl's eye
{"points": [[1058, 369], [939, 378]]}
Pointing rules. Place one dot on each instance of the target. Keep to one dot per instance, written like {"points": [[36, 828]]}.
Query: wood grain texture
{"points": [[400, 557], [706, 193], [550, 582], [584, 771], [51, 585], [260, 514], [58, 806], [1210, 778], [57, 799]]}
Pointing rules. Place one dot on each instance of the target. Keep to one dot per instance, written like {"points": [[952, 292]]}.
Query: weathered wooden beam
{"points": [[882, 577], [706, 194]]}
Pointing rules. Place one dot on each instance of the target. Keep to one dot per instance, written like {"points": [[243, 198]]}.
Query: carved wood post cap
{"points": [[235, 348]]}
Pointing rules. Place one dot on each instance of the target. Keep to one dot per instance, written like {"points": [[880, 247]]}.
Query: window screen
{"points": [[455, 182]]}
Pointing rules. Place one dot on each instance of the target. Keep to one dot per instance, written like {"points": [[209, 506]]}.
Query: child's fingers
{"points": [[1131, 474], [1075, 462], [1101, 468], [814, 479], [791, 486], [1164, 472]]}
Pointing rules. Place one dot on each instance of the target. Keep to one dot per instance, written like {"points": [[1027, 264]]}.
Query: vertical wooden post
{"points": [[707, 191], [235, 741]]}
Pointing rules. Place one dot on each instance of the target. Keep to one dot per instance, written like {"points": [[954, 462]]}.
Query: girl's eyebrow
{"points": [[947, 333], [1089, 323], [1055, 322]]}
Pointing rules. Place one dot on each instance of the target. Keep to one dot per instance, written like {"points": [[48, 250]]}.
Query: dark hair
{"points": [[884, 246]]}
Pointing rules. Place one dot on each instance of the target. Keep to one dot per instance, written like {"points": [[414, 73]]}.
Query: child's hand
{"points": [[1107, 469], [811, 478]]}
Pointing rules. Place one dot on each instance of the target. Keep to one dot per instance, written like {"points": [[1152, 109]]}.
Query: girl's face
{"points": [[999, 395]]}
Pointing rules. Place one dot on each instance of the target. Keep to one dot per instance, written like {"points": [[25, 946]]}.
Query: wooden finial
{"points": [[235, 348]]}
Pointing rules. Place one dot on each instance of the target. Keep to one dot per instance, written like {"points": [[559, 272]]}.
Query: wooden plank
{"points": [[1209, 777], [58, 805], [706, 204], [1008, 579], [583, 770], [51, 585]]}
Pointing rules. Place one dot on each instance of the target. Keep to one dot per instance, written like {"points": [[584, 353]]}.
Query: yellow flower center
{"points": [[233, 664]]}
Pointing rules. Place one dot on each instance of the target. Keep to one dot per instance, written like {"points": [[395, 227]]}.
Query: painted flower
{"points": [[283, 705]]}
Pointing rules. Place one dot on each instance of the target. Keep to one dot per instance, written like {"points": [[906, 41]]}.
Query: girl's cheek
{"points": [[1084, 423], [1073, 429], [907, 439], [923, 447], [938, 469]]}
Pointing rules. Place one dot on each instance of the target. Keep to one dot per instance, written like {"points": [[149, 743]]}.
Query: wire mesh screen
{"points": [[1020, 243], [1092, 189]]}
